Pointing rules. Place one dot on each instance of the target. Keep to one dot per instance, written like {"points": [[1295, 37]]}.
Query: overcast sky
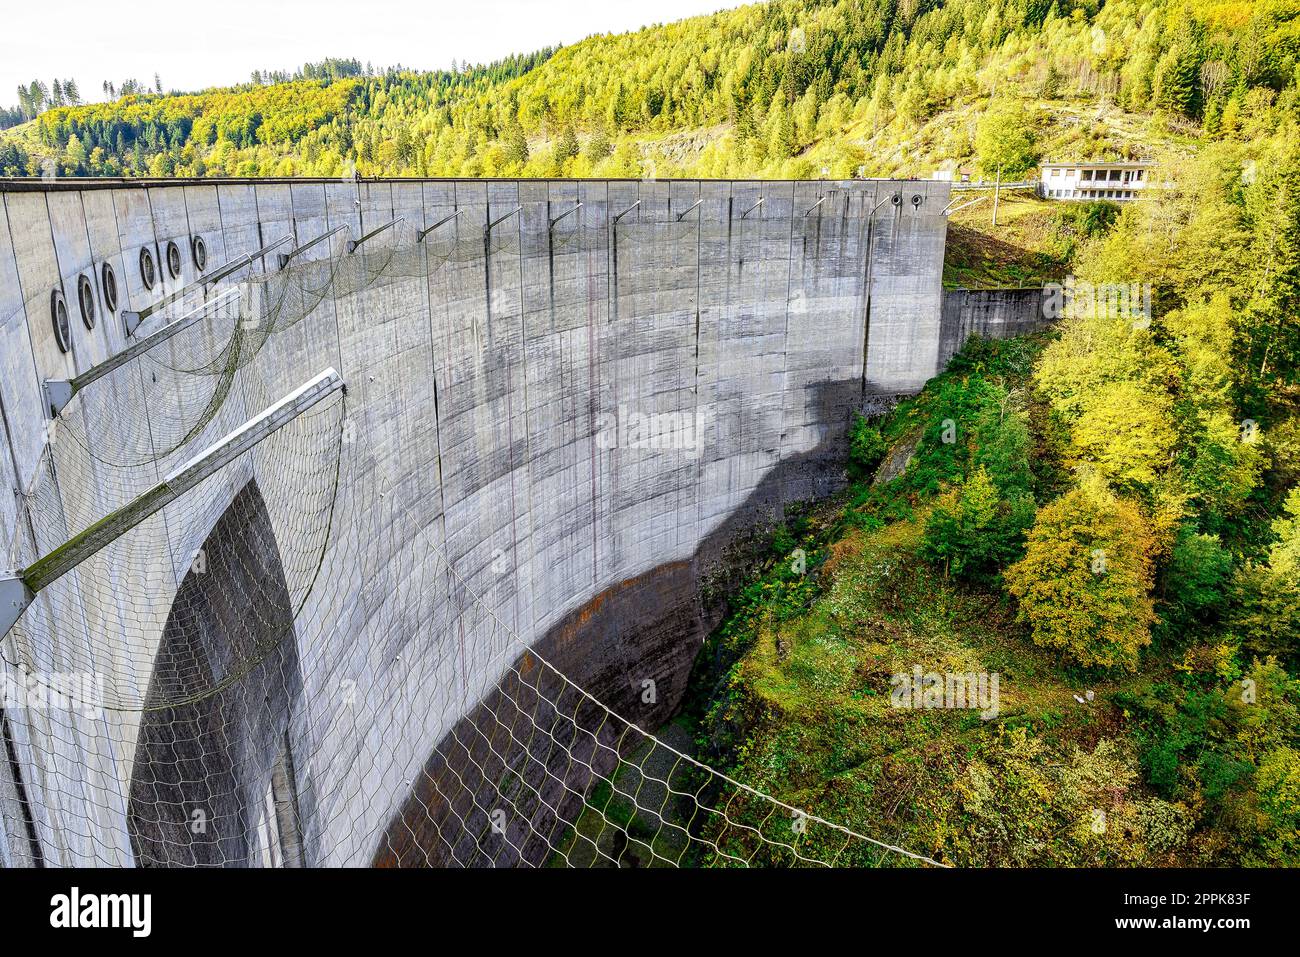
{"points": [[193, 44]]}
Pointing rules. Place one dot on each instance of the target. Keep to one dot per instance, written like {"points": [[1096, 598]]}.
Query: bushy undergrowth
{"points": [[1132, 727]]}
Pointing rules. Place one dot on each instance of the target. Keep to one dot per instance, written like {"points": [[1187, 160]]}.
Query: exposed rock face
{"points": [[897, 459]]}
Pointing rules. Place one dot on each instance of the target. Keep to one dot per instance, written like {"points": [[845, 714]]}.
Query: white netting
{"points": [[313, 656]]}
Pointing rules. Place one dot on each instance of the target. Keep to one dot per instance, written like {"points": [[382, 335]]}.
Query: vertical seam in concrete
{"points": [[54, 473], [172, 541], [24, 801], [333, 299], [433, 365], [90, 249], [699, 300], [19, 479], [613, 281], [189, 237], [451, 582], [487, 266], [157, 249], [550, 258], [528, 455], [148, 420], [58, 268], [16, 490], [869, 229], [592, 361], [237, 333], [785, 340]]}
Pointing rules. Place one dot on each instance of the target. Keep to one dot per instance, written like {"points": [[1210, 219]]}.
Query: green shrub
{"points": [[783, 541], [973, 531], [1266, 610], [1090, 219], [1196, 581], [1084, 583], [867, 448]]}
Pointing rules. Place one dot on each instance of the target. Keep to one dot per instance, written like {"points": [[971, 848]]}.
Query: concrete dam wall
{"points": [[412, 624]]}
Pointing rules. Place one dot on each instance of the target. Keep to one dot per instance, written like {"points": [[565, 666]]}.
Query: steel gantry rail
{"points": [[18, 589], [131, 319]]}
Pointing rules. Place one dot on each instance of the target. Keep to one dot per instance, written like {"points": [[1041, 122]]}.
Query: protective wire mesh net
{"points": [[297, 662]]}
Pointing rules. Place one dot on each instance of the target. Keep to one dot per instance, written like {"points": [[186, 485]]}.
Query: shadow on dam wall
{"points": [[505, 785]]}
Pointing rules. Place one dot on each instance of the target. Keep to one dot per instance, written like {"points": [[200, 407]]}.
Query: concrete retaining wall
{"points": [[991, 313], [491, 397]]}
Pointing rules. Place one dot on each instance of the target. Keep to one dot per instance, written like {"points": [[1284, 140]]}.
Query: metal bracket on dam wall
{"points": [[566, 398], [49, 568]]}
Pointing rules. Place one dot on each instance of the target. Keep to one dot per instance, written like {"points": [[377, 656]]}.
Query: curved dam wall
{"points": [[563, 405]]}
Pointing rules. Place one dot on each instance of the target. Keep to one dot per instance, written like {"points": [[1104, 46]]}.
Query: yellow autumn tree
{"points": [[1127, 431], [1084, 584]]}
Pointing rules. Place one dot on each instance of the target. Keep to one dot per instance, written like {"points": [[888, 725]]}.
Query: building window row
{"points": [[1091, 194]]}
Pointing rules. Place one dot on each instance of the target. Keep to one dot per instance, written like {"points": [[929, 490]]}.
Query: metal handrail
{"points": [[286, 258], [694, 205], [500, 219], [419, 236], [948, 210], [626, 211], [567, 212]]}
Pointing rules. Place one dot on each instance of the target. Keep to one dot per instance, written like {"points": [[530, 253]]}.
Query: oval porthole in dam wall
{"points": [[148, 271], [109, 280], [173, 260], [897, 199], [59, 316], [86, 300], [917, 199], [200, 251]]}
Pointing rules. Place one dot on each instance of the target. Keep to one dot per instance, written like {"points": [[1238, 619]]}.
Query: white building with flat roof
{"points": [[1092, 181]]}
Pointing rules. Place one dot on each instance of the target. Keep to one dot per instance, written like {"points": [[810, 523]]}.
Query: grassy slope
{"points": [[1030, 246], [814, 694]]}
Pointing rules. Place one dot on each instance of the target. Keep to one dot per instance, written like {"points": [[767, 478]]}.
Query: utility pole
{"points": [[997, 186]]}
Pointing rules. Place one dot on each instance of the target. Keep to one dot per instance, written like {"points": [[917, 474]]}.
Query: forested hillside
{"points": [[788, 88], [1106, 518]]}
